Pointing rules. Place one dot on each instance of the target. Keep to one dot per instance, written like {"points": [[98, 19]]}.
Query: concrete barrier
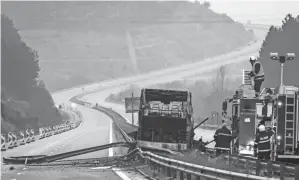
{"points": [[14, 139], [3, 142]]}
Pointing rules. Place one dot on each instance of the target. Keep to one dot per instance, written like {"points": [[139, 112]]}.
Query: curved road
{"points": [[86, 135], [96, 127], [93, 131], [173, 74]]}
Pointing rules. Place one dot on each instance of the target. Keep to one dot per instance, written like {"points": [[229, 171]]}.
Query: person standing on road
{"points": [[222, 137], [262, 144], [258, 74]]}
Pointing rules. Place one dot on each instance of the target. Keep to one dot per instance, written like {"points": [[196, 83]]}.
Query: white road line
{"points": [[117, 171], [102, 167], [110, 138], [121, 174]]}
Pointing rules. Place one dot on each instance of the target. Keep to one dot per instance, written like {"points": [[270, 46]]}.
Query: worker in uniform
{"points": [[258, 74], [222, 137], [262, 144]]}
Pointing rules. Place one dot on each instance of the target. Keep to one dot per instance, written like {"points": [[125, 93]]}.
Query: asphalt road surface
{"points": [[93, 131]]}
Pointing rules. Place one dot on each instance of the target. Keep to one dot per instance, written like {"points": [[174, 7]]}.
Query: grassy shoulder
{"points": [[108, 45]]}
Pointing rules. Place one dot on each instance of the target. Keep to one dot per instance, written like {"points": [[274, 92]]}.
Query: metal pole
{"points": [[133, 108], [281, 74]]}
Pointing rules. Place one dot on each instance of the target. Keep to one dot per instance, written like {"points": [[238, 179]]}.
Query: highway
{"points": [[104, 90], [96, 127], [174, 74], [94, 130]]}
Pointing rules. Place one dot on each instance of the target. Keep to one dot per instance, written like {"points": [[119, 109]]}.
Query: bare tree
{"points": [[216, 83], [222, 76]]}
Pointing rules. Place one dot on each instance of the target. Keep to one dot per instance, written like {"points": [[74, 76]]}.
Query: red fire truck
{"points": [[276, 107]]}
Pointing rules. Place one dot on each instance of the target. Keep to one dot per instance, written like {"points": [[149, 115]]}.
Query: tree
{"points": [[281, 40], [222, 72], [20, 81], [218, 81], [206, 4]]}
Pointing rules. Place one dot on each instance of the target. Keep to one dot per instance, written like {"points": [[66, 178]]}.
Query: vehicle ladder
{"points": [[246, 78], [290, 121]]}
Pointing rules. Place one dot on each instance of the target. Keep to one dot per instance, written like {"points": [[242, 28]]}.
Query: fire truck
{"points": [[165, 119], [246, 114], [274, 107]]}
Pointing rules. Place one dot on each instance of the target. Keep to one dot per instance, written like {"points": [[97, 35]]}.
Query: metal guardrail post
{"points": [[257, 167], [188, 176], [297, 172], [168, 172], [247, 166], [174, 173], [162, 170], [165, 171], [197, 177], [282, 171], [269, 169], [181, 175], [230, 162]]}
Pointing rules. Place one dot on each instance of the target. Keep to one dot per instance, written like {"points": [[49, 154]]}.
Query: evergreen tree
{"points": [[281, 40], [20, 84]]}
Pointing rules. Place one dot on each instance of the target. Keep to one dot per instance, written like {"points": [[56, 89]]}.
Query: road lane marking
{"points": [[121, 174], [110, 153], [102, 167]]}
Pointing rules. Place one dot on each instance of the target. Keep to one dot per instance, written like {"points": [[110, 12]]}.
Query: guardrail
{"points": [[171, 167], [109, 112], [46, 159], [15, 139], [198, 170]]}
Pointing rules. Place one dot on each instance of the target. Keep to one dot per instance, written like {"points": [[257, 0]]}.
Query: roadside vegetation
{"points": [[207, 96], [92, 41], [25, 102]]}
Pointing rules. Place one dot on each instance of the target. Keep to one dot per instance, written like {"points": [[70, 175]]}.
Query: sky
{"points": [[258, 12]]}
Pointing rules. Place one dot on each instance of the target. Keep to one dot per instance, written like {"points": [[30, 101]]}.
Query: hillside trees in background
{"points": [[281, 40], [206, 4], [24, 100]]}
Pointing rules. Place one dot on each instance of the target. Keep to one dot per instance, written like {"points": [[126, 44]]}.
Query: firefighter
{"points": [[200, 144], [262, 144], [222, 137], [258, 74]]}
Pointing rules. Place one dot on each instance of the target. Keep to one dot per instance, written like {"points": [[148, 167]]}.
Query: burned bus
{"points": [[165, 119]]}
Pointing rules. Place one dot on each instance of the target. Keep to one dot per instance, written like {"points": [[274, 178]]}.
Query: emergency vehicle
{"points": [[286, 139], [275, 107], [245, 116]]}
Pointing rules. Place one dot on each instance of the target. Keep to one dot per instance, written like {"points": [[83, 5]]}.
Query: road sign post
{"points": [[132, 109]]}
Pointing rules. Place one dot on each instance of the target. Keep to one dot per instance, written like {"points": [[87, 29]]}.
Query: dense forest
{"points": [[25, 102], [208, 96]]}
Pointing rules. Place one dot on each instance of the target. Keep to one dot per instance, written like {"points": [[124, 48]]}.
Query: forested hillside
{"points": [[93, 41], [25, 102]]}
